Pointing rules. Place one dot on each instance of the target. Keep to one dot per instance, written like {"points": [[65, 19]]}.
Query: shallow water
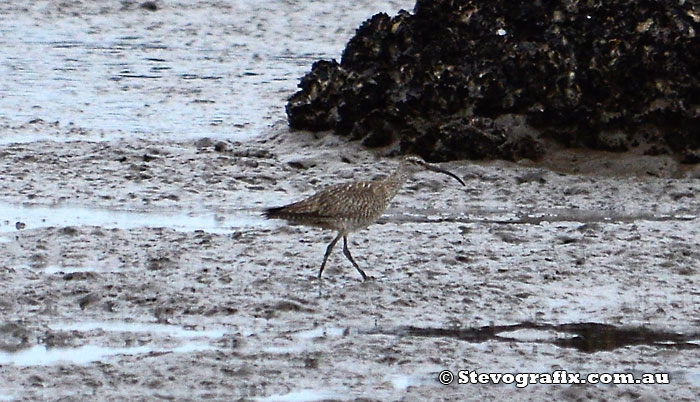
{"points": [[589, 337], [305, 395], [37, 216], [185, 71], [43, 355], [131, 79], [40, 355], [153, 328], [55, 269], [320, 332]]}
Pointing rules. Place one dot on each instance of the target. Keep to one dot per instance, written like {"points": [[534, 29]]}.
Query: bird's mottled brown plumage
{"points": [[352, 206], [343, 207]]}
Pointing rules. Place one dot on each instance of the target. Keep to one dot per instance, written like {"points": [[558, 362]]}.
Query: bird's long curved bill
{"points": [[440, 170]]}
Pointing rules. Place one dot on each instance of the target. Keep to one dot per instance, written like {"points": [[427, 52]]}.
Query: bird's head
{"points": [[414, 163]]}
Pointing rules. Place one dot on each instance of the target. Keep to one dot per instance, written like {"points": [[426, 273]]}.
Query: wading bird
{"points": [[350, 207]]}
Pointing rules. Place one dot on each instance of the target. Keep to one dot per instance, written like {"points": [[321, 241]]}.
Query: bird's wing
{"points": [[351, 200]]}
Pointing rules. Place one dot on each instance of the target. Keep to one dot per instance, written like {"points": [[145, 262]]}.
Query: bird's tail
{"points": [[274, 213]]}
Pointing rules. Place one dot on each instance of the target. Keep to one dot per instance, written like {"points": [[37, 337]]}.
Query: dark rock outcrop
{"points": [[612, 75]]}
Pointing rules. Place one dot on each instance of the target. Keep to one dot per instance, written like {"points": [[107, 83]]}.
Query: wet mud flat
{"points": [[120, 289], [135, 264]]}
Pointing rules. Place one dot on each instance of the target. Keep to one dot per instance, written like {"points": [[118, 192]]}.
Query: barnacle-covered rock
{"points": [[315, 106], [612, 75]]}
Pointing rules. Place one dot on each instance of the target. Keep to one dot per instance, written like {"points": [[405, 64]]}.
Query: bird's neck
{"points": [[396, 180]]}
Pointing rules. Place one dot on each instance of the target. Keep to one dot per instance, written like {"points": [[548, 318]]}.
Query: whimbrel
{"points": [[350, 207]]}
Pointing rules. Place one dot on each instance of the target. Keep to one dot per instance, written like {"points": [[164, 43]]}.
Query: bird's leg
{"points": [[346, 251], [328, 252]]}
